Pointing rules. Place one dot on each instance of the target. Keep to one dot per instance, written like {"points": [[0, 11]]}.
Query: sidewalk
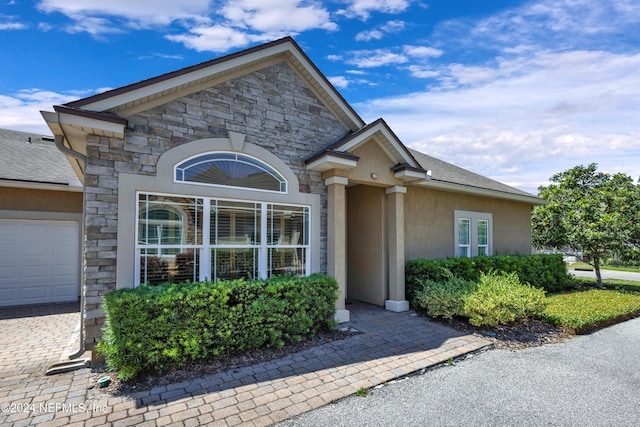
{"points": [[390, 345]]}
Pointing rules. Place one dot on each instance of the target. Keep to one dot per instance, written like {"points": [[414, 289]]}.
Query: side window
{"points": [[473, 233], [464, 237]]}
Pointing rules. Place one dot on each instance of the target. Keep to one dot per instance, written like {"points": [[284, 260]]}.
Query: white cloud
{"points": [[423, 72], [422, 51], [369, 35], [376, 58], [557, 109], [21, 111], [378, 33], [339, 81], [364, 8], [12, 26], [139, 13], [216, 38], [277, 16]]}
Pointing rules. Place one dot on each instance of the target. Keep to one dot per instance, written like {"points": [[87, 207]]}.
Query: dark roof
{"points": [[38, 161], [448, 173]]}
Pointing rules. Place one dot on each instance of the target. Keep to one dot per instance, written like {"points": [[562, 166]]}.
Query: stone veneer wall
{"points": [[272, 107]]}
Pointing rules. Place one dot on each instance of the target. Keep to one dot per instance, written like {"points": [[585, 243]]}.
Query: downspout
{"points": [[59, 141]]}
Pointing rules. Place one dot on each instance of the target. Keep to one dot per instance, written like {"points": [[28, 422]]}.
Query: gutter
{"points": [[59, 141]]}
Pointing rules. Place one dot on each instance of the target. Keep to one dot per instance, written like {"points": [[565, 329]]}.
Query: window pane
{"points": [[464, 231], [182, 266], [483, 230], [463, 251], [167, 220], [231, 169], [287, 225], [482, 250], [235, 223], [231, 264], [287, 261]]}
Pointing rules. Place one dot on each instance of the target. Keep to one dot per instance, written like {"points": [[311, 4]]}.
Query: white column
{"points": [[337, 240]]}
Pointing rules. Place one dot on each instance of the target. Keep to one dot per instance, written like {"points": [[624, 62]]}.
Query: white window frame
{"points": [[204, 249], [177, 170], [474, 218]]}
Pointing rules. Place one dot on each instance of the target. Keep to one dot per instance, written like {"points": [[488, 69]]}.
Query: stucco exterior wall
{"points": [[429, 223], [367, 276], [271, 107], [26, 199]]}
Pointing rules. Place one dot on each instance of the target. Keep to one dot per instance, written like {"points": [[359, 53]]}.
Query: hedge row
{"points": [[171, 325], [548, 272]]}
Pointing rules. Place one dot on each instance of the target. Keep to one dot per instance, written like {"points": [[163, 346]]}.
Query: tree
{"points": [[589, 210]]}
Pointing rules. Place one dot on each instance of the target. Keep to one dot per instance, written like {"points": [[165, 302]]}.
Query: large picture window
{"points": [[190, 239], [473, 233]]}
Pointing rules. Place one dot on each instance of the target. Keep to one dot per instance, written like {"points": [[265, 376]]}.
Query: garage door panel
{"points": [[38, 261]]}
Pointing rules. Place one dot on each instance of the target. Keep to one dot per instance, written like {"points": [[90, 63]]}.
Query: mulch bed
{"points": [[527, 333]]}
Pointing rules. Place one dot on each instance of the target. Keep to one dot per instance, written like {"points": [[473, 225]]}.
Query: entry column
{"points": [[395, 198], [337, 240]]}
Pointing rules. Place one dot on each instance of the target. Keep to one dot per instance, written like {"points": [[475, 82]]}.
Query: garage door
{"points": [[38, 262]]}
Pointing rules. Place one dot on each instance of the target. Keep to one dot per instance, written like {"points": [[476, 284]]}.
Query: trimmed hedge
{"points": [[171, 325], [548, 272]]}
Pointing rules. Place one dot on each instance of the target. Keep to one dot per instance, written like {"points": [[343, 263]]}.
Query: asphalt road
{"points": [[591, 380], [608, 274]]}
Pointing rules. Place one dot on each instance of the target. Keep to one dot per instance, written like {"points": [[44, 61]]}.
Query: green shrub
{"points": [[445, 298], [170, 325], [501, 298], [548, 272]]}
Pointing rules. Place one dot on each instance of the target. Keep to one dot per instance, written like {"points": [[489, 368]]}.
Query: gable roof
{"points": [[128, 100], [33, 160], [448, 177]]}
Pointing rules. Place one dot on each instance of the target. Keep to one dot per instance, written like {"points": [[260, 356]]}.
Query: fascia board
{"points": [[483, 192], [328, 161]]}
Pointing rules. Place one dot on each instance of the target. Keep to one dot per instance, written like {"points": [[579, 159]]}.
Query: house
{"points": [[40, 222], [253, 164]]}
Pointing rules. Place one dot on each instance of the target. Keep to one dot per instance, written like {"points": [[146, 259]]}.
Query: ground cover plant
{"points": [[586, 308], [171, 325]]}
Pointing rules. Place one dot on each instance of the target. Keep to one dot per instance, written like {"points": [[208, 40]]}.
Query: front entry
{"points": [[367, 257]]}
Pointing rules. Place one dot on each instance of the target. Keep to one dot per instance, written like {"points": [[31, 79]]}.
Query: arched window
{"points": [[230, 169]]}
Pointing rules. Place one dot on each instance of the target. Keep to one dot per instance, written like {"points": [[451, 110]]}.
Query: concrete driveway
{"points": [[592, 380]]}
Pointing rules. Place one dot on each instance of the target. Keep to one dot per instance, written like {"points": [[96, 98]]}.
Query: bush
{"points": [[497, 298], [500, 298], [171, 325], [548, 272], [444, 299]]}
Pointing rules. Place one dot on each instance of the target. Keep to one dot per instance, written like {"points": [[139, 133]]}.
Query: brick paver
{"points": [[390, 345]]}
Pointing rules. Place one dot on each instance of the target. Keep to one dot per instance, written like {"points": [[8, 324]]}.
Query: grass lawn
{"points": [[585, 310]]}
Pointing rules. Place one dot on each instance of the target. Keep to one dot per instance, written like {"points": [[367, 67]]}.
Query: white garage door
{"points": [[38, 262]]}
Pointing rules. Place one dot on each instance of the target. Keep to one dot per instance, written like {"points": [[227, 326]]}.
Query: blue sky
{"points": [[514, 90]]}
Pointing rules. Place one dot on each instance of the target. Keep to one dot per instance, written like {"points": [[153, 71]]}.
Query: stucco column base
{"points": [[396, 306], [341, 316]]}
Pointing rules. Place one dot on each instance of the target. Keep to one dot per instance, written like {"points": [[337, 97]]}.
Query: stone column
{"points": [[337, 240], [395, 202]]}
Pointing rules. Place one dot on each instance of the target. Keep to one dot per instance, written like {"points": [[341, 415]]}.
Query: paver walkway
{"points": [[391, 345]]}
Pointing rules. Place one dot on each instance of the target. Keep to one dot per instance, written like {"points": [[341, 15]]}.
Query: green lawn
{"points": [[587, 309]]}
